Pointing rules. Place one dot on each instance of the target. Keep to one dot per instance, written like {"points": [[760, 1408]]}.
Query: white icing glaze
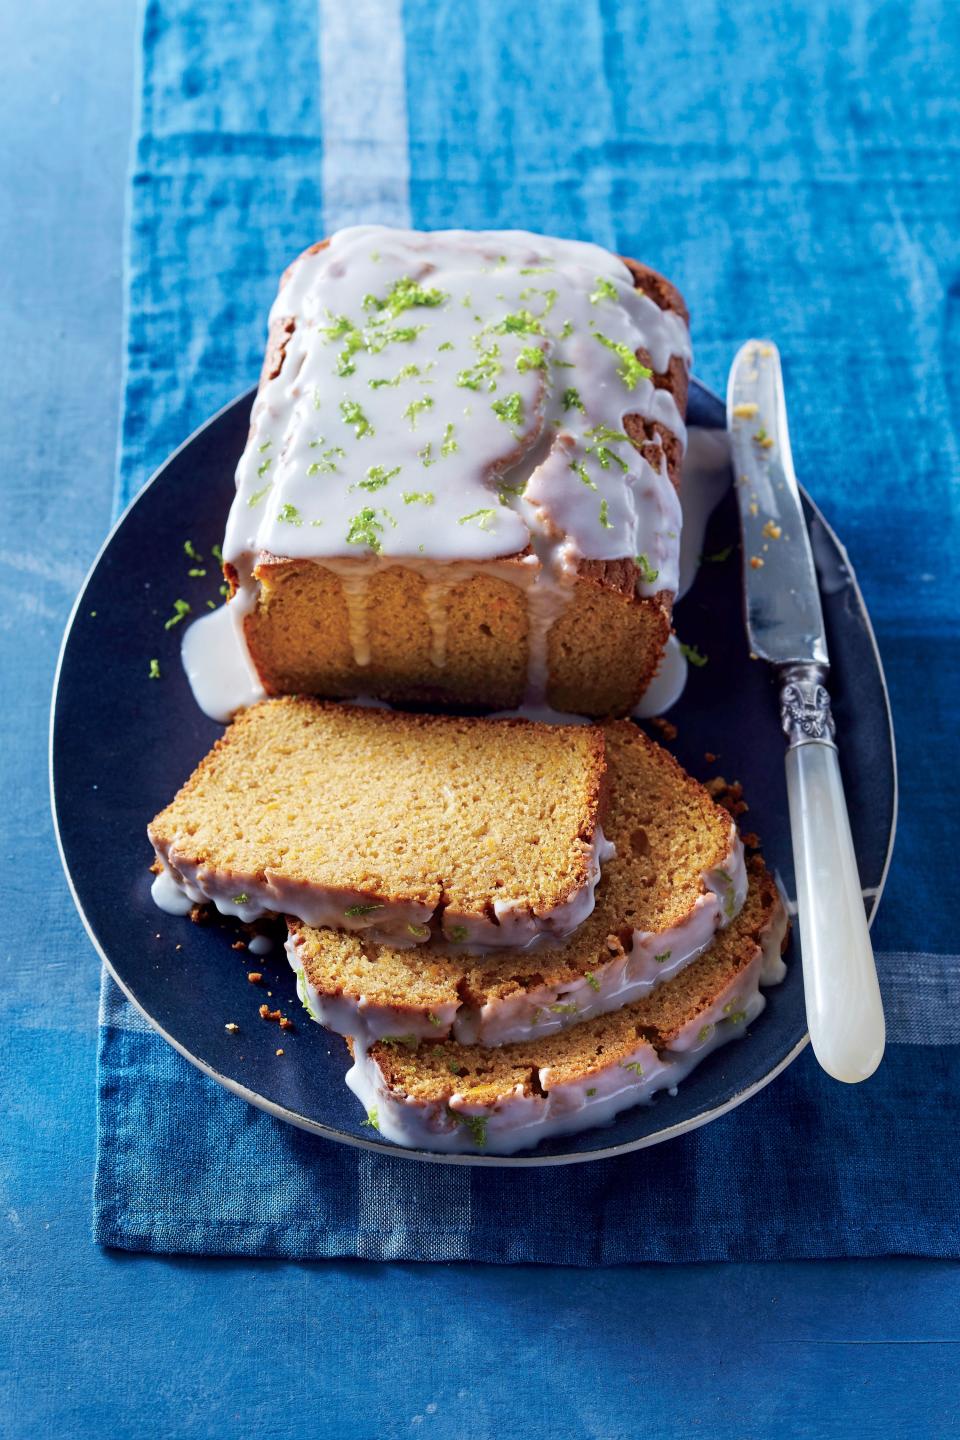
{"points": [[399, 923], [379, 436], [217, 663], [667, 685], [520, 1120], [535, 1013]]}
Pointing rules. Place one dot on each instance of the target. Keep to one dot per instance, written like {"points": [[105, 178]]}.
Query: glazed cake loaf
{"points": [[460, 483], [399, 826], [450, 1097], [676, 877]]}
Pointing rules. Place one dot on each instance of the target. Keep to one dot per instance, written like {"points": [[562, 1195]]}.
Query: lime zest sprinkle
{"points": [[591, 1092], [718, 556], [571, 400], [242, 899], [419, 932], [327, 464], [264, 467], [531, 357], [704, 1033], [422, 497], [605, 290], [408, 372], [520, 322], [258, 495], [647, 572], [154, 672], [449, 445], [563, 1009], [485, 369], [592, 980], [377, 477], [408, 1042], [605, 516], [197, 572], [483, 519], [353, 414], [417, 407], [476, 1125], [509, 409], [691, 653], [426, 456], [289, 514], [366, 529], [580, 469], [217, 554], [190, 552], [403, 295], [630, 369], [354, 910], [181, 609], [457, 933], [662, 959], [372, 1119], [634, 1065]]}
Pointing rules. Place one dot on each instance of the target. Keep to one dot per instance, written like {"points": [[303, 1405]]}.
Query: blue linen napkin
{"points": [[790, 166]]}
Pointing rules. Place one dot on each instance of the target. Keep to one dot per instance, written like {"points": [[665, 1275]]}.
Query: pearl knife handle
{"points": [[844, 1009]]}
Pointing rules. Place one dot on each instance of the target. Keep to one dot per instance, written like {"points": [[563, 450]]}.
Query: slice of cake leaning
{"points": [[399, 826], [460, 485], [675, 878], [443, 1096]]}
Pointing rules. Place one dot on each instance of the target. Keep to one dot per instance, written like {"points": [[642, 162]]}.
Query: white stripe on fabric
{"points": [[363, 103], [921, 997]]}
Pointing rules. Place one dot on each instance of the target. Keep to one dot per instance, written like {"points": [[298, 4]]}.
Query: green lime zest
{"points": [[592, 980], [605, 290], [630, 369], [372, 1119], [449, 445], [483, 519], [181, 609], [521, 322], [154, 672], [509, 409], [531, 358], [571, 400], [605, 515], [579, 469], [354, 910], [718, 556], [353, 414], [289, 514], [258, 495], [421, 497], [691, 653], [377, 477], [190, 552], [647, 572], [417, 407]]}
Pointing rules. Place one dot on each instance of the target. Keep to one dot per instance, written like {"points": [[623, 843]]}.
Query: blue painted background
{"points": [[111, 1345]]}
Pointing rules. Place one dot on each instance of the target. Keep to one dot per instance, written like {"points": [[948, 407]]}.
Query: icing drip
{"points": [[527, 1014], [523, 1118], [184, 882]]}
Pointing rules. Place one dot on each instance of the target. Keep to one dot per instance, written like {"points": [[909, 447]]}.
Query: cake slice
{"points": [[443, 1096], [677, 875], [460, 485], [487, 831]]}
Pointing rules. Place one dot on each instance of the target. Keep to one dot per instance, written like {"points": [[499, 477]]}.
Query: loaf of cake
{"points": [[400, 826], [675, 878], [460, 485], [443, 1096]]}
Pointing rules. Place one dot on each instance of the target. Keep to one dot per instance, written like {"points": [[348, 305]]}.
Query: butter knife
{"points": [[785, 627]]}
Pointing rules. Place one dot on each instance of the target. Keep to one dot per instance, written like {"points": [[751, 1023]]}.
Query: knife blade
{"points": [[784, 621]]}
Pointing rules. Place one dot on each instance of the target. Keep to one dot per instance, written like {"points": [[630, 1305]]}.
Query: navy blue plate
{"points": [[122, 743]]}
